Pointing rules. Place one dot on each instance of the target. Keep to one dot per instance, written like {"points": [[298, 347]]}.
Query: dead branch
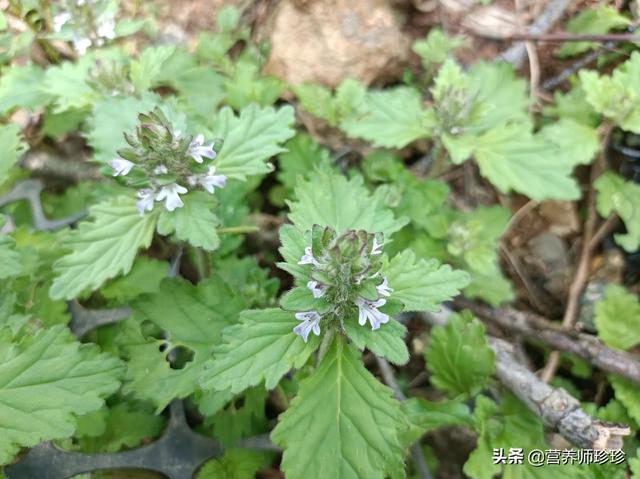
{"points": [[416, 451], [556, 408], [540, 329], [550, 15], [30, 190]]}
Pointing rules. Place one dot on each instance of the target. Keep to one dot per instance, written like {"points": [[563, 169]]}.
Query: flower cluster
{"points": [[345, 280], [86, 23], [164, 164]]}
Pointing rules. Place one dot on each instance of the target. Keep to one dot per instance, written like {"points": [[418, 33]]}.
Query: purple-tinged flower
{"points": [[121, 167], [383, 288], [310, 322], [197, 149], [307, 257], [210, 181], [160, 170], [171, 194], [60, 20], [107, 29], [317, 289], [81, 44], [368, 310], [147, 197], [376, 249]]}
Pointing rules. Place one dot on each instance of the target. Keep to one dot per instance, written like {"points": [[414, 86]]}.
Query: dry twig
{"points": [[556, 408]]}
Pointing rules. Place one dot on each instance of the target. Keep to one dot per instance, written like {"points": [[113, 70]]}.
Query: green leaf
{"points": [[251, 139], [436, 48], [622, 197], [616, 96], [11, 148], [123, 426], [597, 21], [422, 285], [386, 342], [45, 380], [147, 68], [577, 143], [390, 118], [317, 100], [262, 347], [424, 416], [329, 199], [247, 86], [235, 464], [145, 277], [21, 87], [343, 423], [67, 84], [459, 357], [110, 118], [512, 158], [195, 222], [10, 259], [628, 394], [302, 157], [103, 248], [193, 319], [618, 318]]}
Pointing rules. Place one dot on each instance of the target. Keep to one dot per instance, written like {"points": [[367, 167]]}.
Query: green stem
{"points": [[324, 346], [238, 229], [201, 262]]}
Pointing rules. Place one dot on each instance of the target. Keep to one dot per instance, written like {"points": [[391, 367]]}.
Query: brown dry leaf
{"points": [[492, 20], [561, 216]]}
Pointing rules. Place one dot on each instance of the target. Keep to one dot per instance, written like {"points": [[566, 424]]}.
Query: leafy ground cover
{"points": [[431, 276]]}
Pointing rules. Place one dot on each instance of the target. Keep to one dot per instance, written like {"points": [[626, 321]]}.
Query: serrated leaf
{"points": [[459, 357], [235, 464], [422, 285], [11, 148], [436, 47], [317, 100], [45, 380], [598, 20], [103, 248], [618, 318], [110, 118], [10, 259], [343, 423], [616, 96], [262, 347], [195, 222], [622, 197], [329, 199], [145, 277], [21, 86], [147, 68], [390, 118], [66, 84], [513, 158], [386, 342], [424, 416], [628, 394], [302, 157], [192, 318], [576, 142], [251, 139]]}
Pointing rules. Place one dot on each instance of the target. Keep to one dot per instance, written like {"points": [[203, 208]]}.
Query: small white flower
{"points": [[146, 200], [368, 310], [317, 289], [81, 44], [383, 288], [310, 322], [197, 149], [59, 20], [160, 170], [107, 29], [210, 181], [307, 257], [171, 194], [121, 167], [376, 249]]}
